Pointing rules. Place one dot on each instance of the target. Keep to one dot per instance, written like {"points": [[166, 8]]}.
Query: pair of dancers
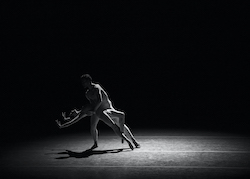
{"points": [[100, 108]]}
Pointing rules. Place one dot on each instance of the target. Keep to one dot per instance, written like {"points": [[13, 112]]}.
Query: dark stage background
{"points": [[171, 65]]}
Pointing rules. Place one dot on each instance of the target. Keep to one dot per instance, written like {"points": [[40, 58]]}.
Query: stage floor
{"points": [[163, 154]]}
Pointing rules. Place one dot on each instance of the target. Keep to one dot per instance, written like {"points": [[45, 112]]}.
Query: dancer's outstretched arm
{"points": [[74, 120], [69, 123]]}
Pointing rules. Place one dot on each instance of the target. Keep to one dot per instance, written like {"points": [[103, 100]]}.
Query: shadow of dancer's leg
{"points": [[87, 153]]}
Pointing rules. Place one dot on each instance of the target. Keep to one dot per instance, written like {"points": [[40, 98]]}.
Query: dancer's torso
{"points": [[93, 97]]}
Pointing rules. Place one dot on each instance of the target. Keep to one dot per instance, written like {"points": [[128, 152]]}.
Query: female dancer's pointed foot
{"points": [[130, 145], [122, 141], [94, 146], [137, 145]]}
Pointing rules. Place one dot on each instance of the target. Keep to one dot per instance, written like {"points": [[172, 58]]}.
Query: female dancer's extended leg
{"points": [[107, 119], [121, 118], [117, 116]]}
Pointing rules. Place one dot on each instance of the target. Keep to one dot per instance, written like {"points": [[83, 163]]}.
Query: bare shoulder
{"points": [[97, 86]]}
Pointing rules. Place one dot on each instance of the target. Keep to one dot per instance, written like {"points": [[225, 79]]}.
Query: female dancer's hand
{"points": [[64, 115], [59, 124]]}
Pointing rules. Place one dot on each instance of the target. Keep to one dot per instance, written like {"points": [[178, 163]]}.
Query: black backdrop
{"points": [[172, 65]]}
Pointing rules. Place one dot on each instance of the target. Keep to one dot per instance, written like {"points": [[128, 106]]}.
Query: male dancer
{"points": [[100, 108]]}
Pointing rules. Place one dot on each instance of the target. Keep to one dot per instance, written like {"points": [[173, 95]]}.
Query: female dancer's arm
{"points": [[85, 111], [70, 122]]}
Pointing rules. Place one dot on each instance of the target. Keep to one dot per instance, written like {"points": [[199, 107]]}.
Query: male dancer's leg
{"points": [[93, 130]]}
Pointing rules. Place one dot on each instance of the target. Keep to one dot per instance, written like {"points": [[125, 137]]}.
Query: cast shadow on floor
{"points": [[89, 152]]}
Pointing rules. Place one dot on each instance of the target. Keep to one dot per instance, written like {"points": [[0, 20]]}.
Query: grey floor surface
{"points": [[179, 154]]}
